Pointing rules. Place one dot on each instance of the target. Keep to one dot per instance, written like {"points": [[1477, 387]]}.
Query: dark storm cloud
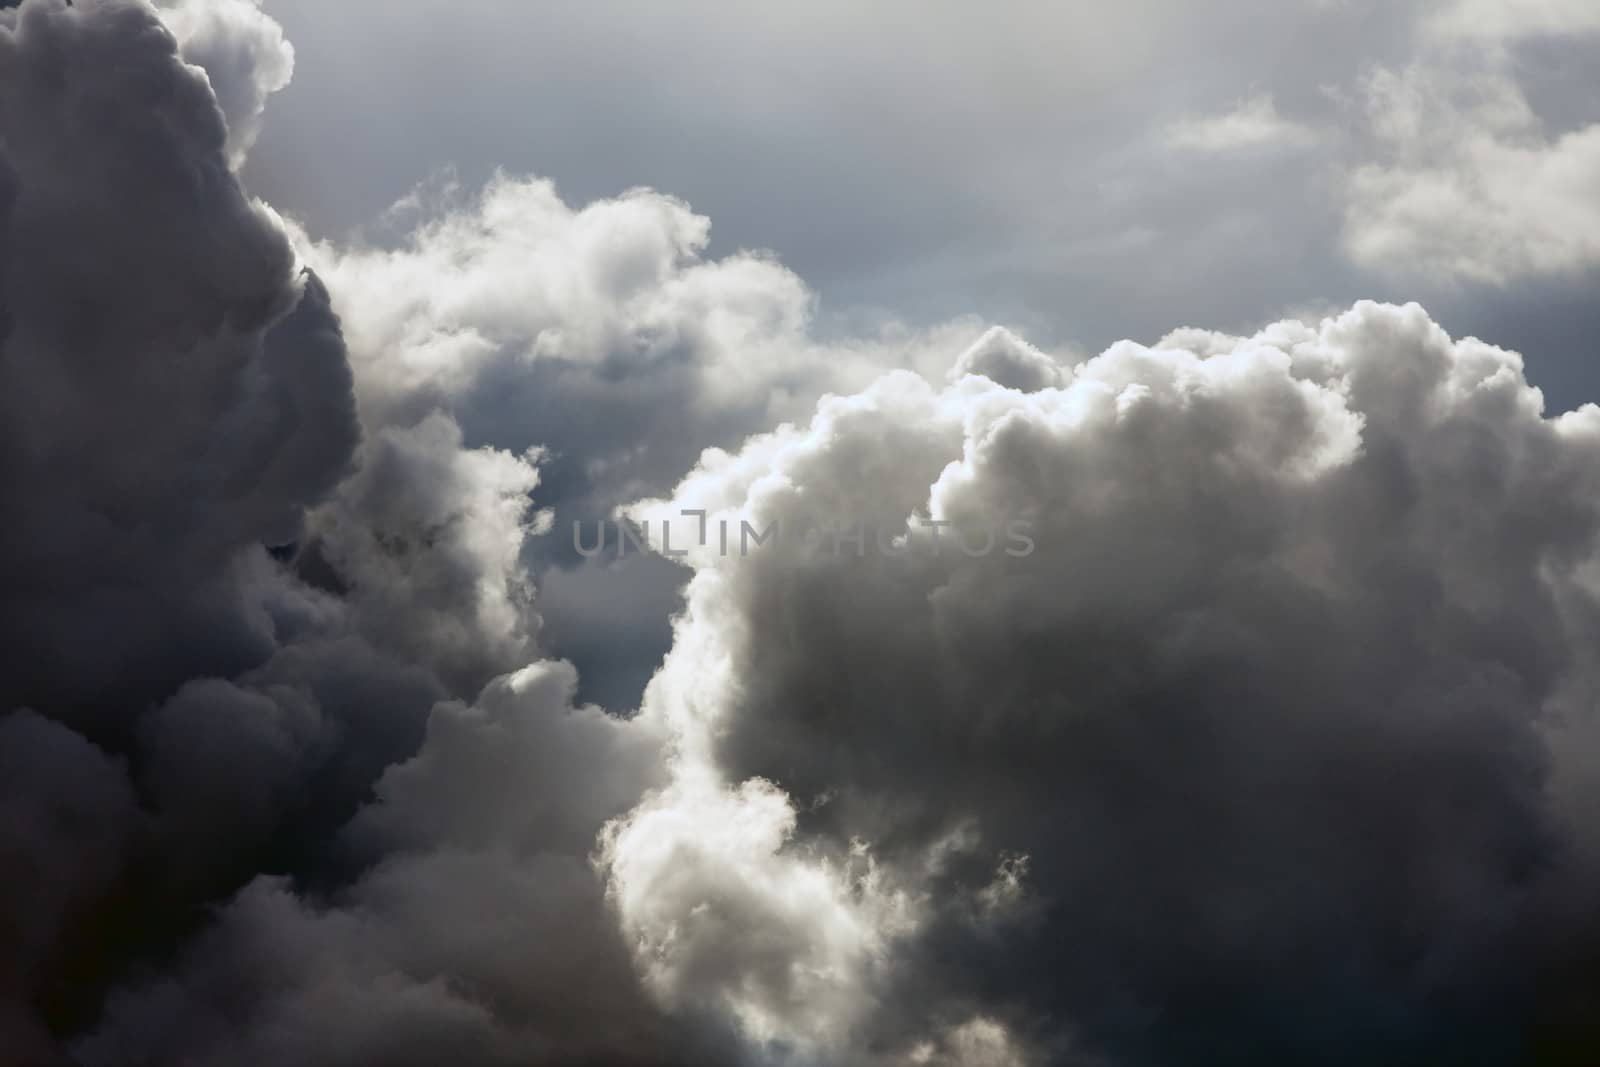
{"points": [[478, 936], [183, 711], [172, 391], [174, 395], [68, 811], [238, 620]]}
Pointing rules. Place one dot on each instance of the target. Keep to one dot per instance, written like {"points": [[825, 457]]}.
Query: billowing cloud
{"points": [[479, 934], [1008, 360], [1246, 755], [429, 535], [602, 334], [244, 55], [1223, 700], [228, 609], [174, 396], [173, 391], [604, 337]]}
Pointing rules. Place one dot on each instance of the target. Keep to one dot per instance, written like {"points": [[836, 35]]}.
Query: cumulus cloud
{"points": [[1223, 700], [174, 392], [1008, 360], [1249, 760], [175, 397], [429, 535], [479, 934], [229, 607], [264, 577], [606, 338], [602, 334], [244, 55]]}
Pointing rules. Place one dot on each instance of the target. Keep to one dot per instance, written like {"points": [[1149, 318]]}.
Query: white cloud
{"points": [[1253, 123], [601, 333], [1511, 19], [1467, 185], [244, 55]]}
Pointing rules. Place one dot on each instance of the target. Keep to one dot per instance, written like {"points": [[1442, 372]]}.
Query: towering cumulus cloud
{"points": [[1270, 745], [173, 392], [225, 612], [1225, 701], [174, 395]]}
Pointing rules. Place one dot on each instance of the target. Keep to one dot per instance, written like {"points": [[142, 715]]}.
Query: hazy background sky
{"points": [[1027, 163]]}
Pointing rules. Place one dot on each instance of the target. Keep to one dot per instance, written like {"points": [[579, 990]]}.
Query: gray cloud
{"points": [[174, 393], [478, 935], [603, 336], [1277, 748], [1272, 713], [226, 613]]}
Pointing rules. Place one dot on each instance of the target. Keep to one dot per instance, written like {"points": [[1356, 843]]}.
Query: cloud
{"points": [[175, 392], [1008, 360], [605, 337], [1493, 19], [1272, 711], [67, 813], [244, 55], [1271, 745], [1253, 123], [229, 606], [428, 536], [175, 396], [1468, 185], [265, 577], [602, 333], [478, 934]]}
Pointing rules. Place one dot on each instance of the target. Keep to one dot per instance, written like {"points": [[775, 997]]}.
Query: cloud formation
{"points": [[604, 337], [244, 56], [477, 935], [1253, 760], [1273, 746], [602, 334], [229, 607]]}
